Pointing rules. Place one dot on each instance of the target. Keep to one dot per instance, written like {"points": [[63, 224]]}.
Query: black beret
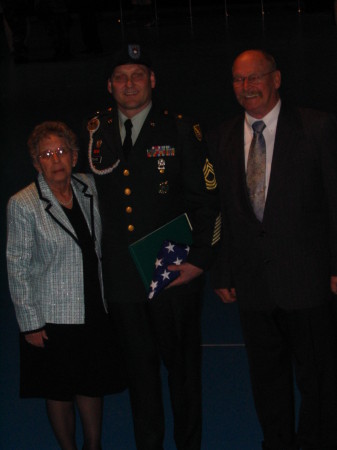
{"points": [[129, 54]]}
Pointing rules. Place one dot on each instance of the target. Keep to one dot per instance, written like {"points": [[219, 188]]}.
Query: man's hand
{"points": [[226, 295], [187, 273], [37, 338], [333, 284]]}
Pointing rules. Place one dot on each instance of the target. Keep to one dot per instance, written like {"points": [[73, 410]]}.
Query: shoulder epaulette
{"points": [[187, 122]]}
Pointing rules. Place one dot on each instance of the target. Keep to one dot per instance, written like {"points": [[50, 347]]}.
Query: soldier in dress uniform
{"points": [[144, 181]]}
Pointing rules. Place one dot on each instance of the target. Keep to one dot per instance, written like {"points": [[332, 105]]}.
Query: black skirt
{"points": [[76, 360]]}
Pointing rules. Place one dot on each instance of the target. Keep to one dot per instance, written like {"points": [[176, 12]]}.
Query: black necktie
{"points": [[256, 170], [127, 144]]}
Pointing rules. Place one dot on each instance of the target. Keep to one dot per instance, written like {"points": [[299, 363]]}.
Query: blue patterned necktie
{"points": [[256, 170], [127, 144]]}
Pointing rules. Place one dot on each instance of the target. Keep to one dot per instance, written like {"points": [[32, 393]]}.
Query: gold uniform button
{"points": [[127, 191], [126, 173], [131, 227], [128, 209]]}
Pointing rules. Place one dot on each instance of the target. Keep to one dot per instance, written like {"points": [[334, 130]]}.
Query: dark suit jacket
{"points": [[156, 197], [287, 259]]}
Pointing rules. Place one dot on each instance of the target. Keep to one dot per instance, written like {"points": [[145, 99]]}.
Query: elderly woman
{"points": [[54, 271]]}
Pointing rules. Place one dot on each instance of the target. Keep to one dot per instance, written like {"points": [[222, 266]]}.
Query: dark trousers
{"points": [[280, 343], [166, 329]]}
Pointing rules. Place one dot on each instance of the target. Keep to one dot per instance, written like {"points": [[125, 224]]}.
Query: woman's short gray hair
{"points": [[44, 130]]}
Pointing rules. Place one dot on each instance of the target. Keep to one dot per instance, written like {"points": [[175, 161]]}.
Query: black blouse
{"points": [[92, 292]]}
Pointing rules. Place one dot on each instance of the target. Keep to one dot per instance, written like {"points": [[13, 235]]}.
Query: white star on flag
{"points": [[158, 263], [170, 247], [165, 275], [153, 285]]}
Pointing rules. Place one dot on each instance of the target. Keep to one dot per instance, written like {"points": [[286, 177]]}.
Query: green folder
{"points": [[144, 251]]}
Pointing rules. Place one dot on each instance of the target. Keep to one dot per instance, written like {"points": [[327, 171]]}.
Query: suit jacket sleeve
{"points": [[20, 243]]}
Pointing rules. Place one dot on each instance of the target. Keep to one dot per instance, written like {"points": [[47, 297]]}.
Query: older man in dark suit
{"points": [[277, 172]]}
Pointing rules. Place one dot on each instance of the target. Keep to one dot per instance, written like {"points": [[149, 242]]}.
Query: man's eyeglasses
{"points": [[251, 79], [59, 152], [123, 78]]}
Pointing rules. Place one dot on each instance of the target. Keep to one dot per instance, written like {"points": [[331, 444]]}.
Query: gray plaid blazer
{"points": [[44, 260]]}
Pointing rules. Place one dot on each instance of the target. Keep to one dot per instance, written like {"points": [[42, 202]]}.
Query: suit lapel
{"points": [[116, 136], [86, 202], [55, 211], [235, 145], [52, 206], [112, 138], [285, 144]]}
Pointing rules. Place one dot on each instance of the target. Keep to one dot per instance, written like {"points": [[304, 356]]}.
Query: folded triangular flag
{"points": [[170, 253]]}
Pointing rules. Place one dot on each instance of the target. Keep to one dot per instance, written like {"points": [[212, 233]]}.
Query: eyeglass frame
{"points": [[251, 79], [48, 154]]}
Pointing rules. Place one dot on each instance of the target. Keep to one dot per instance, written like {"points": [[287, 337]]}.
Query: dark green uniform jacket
{"points": [[167, 173]]}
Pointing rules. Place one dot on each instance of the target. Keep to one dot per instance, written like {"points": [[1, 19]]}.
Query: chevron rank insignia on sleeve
{"points": [[209, 176]]}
